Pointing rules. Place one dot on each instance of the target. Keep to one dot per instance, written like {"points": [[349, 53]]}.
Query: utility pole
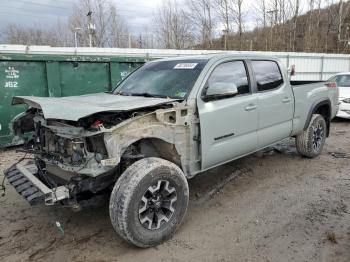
{"points": [[91, 27], [340, 22]]}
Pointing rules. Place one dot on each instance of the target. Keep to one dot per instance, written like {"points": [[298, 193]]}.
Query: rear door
{"points": [[228, 125], [275, 102]]}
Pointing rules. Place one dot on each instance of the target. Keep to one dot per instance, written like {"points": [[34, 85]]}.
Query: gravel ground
{"points": [[271, 206]]}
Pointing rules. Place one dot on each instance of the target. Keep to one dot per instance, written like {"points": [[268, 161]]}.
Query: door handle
{"points": [[286, 100], [251, 107]]}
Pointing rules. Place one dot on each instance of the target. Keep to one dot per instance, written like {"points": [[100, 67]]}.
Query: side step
{"points": [[23, 185]]}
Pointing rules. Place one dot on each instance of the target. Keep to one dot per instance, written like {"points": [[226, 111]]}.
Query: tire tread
{"points": [[303, 141], [124, 189]]}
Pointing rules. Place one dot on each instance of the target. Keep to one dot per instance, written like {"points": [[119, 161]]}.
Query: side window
{"points": [[267, 74], [229, 74], [343, 80]]}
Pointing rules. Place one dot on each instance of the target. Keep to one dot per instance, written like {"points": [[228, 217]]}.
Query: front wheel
{"points": [[310, 143], [149, 201]]}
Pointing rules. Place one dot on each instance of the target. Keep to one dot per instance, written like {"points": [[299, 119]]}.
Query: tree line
{"points": [[264, 25]]}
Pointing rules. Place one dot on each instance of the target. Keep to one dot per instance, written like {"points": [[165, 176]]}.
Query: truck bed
{"points": [[309, 93]]}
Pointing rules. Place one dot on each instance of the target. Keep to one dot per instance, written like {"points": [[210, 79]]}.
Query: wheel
{"points": [[149, 202], [310, 143]]}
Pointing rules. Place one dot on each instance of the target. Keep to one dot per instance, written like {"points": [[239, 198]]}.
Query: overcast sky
{"points": [[42, 13]]}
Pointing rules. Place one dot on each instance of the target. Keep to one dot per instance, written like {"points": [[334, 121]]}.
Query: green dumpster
{"points": [[55, 76]]}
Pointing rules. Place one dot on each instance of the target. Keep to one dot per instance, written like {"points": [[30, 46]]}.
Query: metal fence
{"points": [[309, 66]]}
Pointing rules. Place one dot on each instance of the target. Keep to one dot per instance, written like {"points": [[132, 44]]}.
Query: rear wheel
{"points": [[310, 143], [149, 202]]}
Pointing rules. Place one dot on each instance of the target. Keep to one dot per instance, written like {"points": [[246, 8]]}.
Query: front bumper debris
{"points": [[23, 177]]}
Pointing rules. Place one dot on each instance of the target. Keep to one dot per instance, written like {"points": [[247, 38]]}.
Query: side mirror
{"points": [[220, 90]]}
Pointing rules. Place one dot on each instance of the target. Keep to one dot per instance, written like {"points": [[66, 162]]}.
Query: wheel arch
{"points": [[323, 108], [155, 147]]}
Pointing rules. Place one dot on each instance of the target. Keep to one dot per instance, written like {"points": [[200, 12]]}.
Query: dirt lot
{"points": [[272, 206]]}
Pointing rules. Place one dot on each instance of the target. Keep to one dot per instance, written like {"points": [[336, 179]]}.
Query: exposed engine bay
{"points": [[73, 146]]}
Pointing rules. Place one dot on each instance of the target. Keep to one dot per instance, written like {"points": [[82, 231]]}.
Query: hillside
{"points": [[324, 30]]}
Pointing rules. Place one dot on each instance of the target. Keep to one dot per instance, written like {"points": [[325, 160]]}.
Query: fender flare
{"points": [[314, 107]]}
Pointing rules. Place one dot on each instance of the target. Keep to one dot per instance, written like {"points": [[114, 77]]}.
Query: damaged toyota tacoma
{"points": [[166, 122]]}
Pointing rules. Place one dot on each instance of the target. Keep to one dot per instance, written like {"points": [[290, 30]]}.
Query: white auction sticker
{"points": [[186, 66]]}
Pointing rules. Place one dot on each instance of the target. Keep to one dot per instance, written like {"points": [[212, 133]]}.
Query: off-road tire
{"points": [[305, 141], [126, 198]]}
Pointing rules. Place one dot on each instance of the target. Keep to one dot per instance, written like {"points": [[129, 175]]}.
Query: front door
{"points": [[228, 125]]}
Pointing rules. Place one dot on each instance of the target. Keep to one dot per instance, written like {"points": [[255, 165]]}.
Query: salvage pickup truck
{"points": [[166, 122]]}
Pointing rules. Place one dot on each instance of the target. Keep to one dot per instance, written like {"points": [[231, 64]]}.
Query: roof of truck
{"points": [[219, 56]]}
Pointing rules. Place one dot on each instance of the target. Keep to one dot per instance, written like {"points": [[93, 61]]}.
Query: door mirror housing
{"points": [[220, 90]]}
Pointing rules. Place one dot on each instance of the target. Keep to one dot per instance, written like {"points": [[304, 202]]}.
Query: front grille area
{"points": [[70, 151], [58, 142]]}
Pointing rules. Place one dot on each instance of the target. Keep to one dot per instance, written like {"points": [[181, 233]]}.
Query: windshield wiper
{"points": [[145, 94]]}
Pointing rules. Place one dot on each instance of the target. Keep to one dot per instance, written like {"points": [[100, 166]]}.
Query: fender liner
{"points": [[314, 107]]}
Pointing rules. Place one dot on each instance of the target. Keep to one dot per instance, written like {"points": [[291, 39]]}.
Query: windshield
{"points": [[173, 79], [342, 80]]}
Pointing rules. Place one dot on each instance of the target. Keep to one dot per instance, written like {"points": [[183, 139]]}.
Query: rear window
{"points": [[267, 74]]}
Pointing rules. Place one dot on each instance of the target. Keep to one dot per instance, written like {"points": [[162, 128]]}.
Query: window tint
{"points": [[231, 73], [268, 75]]}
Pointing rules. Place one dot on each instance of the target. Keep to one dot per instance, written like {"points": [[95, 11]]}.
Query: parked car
{"points": [[165, 123], [343, 83]]}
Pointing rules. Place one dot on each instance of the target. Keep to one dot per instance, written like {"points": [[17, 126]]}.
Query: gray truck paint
{"points": [[186, 132]]}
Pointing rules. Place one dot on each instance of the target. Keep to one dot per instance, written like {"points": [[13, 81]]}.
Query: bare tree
{"points": [[309, 23], [237, 15], [16, 34], [223, 10], [260, 8], [109, 27], [173, 26], [117, 31], [342, 11], [202, 17], [317, 34], [294, 6]]}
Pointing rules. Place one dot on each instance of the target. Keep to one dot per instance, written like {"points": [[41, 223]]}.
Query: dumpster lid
{"points": [[75, 107]]}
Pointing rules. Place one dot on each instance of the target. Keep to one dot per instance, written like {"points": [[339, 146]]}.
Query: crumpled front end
{"points": [[71, 148], [87, 153], [64, 162]]}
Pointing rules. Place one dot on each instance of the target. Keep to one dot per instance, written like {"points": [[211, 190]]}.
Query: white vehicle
{"points": [[343, 83]]}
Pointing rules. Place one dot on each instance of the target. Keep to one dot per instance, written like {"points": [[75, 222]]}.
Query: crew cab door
{"points": [[275, 102], [228, 124]]}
